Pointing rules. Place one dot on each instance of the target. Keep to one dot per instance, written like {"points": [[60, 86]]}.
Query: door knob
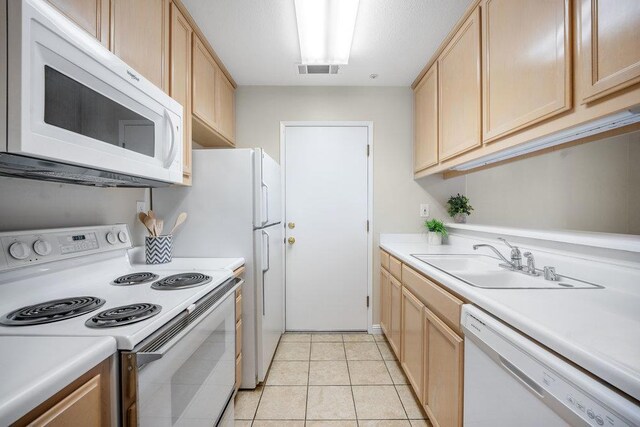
{"points": [[291, 240], [291, 225]]}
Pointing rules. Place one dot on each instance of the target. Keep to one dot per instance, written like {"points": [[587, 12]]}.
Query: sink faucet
{"points": [[508, 264], [516, 255]]}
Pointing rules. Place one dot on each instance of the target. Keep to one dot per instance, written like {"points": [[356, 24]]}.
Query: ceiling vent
{"points": [[318, 69]]}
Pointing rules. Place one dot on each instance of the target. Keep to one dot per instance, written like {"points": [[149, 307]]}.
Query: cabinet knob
{"points": [[291, 240], [291, 225]]}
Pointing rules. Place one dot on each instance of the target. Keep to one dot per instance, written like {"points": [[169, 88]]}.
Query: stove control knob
{"points": [[19, 250], [42, 247], [111, 238], [122, 236]]}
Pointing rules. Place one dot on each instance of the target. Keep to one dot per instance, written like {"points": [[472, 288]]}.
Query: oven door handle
{"points": [[143, 358]]}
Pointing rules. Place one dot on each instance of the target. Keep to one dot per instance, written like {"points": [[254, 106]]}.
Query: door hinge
{"points": [[367, 226], [367, 301], [368, 150]]}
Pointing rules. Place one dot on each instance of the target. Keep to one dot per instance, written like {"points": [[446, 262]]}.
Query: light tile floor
{"points": [[331, 380]]}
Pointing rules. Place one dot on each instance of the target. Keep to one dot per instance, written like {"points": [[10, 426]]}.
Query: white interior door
{"points": [[326, 197]]}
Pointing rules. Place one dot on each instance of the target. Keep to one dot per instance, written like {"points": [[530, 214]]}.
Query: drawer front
{"points": [[444, 304], [384, 259], [395, 268], [238, 337], [238, 306]]}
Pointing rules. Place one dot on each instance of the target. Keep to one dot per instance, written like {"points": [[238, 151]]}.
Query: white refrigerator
{"points": [[234, 209]]}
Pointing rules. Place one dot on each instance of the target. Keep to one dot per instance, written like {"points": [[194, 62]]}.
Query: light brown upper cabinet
{"points": [[426, 121], [90, 15], [444, 370], [226, 107], [180, 80], [140, 37], [608, 46], [213, 100], [413, 339], [459, 91], [526, 61]]}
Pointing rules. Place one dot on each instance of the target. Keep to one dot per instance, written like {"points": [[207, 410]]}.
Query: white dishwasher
{"points": [[509, 380]]}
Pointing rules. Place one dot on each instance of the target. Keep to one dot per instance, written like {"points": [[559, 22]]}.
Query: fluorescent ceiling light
{"points": [[604, 124], [325, 30]]}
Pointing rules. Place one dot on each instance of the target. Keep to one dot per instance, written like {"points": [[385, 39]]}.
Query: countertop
{"points": [[32, 369], [597, 329]]}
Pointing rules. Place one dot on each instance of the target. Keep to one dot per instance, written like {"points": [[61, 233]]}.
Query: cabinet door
{"points": [[412, 340], [395, 322], [205, 75], [140, 37], [609, 46], [459, 91], [385, 301], [226, 107], [81, 408], [526, 60], [426, 121], [90, 15], [180, 80], [444, 370]]}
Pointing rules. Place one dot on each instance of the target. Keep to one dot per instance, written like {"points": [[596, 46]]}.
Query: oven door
{"points": [[72, 101], [184, 374]]}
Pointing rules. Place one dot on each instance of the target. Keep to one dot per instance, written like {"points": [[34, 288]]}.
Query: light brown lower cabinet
{"points": [[385, 301], [86, 402], [237, 273], [395, 322], [413, 340], [442, 398]]}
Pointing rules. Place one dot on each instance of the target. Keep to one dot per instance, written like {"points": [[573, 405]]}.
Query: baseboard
{"points": [[376, 330]]}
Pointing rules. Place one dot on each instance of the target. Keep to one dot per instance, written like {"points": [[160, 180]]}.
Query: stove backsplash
{"points": [[28, 204]]}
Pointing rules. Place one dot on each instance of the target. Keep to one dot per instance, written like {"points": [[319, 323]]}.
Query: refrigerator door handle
{"points": [[264, 270], [265, 187]]}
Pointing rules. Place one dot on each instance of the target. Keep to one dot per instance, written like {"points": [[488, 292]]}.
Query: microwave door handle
{"points": [[173, 151]]}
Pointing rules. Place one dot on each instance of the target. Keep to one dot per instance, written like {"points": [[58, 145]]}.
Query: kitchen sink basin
{"points": [[483, 271]]}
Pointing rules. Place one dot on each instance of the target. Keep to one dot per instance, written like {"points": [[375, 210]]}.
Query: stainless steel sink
{"points": [[483, 271]]}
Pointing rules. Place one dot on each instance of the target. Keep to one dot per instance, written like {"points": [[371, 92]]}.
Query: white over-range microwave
{"points": [[71, 111]]}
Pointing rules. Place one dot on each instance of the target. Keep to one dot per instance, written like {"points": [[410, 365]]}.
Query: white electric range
{"points": [[174, 323]]}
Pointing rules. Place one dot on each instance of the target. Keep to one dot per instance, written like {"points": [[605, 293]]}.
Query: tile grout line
{"points": [[306, 401], [395, 387], [353, 399]]}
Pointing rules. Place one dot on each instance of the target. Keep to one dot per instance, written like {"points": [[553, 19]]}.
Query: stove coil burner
{"points": [[181, 281], [123, 315], [52, 311], [135, 279]]}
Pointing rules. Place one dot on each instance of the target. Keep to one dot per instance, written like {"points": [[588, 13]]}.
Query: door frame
{"points": [[369, 126]]}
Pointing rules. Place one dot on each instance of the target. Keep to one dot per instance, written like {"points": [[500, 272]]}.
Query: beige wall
{"points": [[589, 187], [396, 199], [26, 204]]}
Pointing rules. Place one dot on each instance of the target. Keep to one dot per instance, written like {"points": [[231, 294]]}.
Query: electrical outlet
{"points": [[141, 206], [424, 210]]}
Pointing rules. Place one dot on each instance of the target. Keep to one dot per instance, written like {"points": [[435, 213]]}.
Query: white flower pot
{"points": [[434, 239]]}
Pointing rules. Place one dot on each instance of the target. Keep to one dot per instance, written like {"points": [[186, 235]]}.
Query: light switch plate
{"points": [[424, 210], [141, 206]]}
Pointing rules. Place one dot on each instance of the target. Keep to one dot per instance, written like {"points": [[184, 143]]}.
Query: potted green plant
{"points": [[436, 231], [459, 208]]}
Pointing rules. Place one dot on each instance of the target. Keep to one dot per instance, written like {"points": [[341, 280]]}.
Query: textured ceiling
{"points": [[258, 40]]}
